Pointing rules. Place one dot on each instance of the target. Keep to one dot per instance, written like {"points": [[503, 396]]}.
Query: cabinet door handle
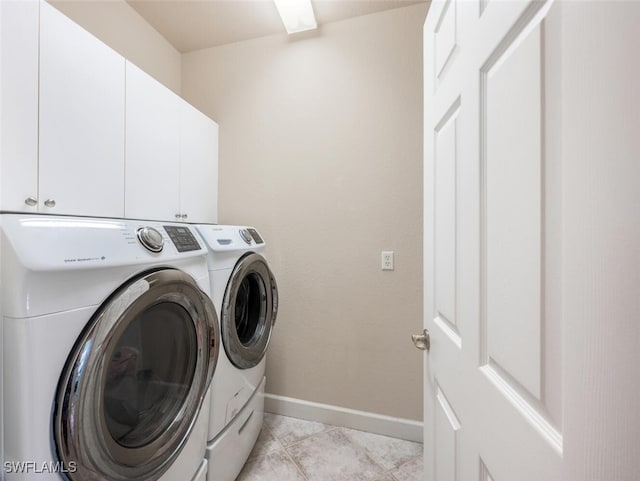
{"points": [[184, 216], [178, 216], [50, 203], [31, 201]]}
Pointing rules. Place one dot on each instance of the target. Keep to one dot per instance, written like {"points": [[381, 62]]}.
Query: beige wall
{"points": [[122, 28], [321, 150]]}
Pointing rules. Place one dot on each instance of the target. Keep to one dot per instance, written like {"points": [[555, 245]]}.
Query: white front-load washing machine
{"points": [[109, 346], [245, 293]]}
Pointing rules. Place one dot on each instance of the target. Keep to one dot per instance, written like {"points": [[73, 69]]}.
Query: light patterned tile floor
{"points": [[291, 449]]}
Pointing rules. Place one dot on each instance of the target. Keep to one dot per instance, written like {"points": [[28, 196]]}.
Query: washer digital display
{"points": [[182, 238]]}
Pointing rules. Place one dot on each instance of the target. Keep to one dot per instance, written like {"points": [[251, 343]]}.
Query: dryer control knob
{"points": [[246, 236], [150, 238]]}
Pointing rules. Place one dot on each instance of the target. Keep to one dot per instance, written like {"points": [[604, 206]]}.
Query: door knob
{"points": [[50, 203], [31, 201], [422, 341]]}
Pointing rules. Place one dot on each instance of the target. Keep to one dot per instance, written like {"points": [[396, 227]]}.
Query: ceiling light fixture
{"points": [[297, 15]]}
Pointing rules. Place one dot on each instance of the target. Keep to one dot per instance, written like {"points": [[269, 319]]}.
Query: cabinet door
{"points": [[19, 90], [198, 166], [153, 148], [81, 120]]}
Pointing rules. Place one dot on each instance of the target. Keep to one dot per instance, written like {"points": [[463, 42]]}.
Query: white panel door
{"points": [[493, 393], [19, 71], [198, 166], [152, 175], [81, 169]]}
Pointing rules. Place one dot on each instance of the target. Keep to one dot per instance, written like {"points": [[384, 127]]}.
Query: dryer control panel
{"points": [[255, 235], [230, 238]]}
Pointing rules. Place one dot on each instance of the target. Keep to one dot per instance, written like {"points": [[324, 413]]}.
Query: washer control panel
{"points": [[182, 238], [96, 242], [150, 238]]}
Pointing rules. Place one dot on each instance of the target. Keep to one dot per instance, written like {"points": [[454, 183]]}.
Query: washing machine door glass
{"points": [[249, 311], [149, 374], [135, 382]]}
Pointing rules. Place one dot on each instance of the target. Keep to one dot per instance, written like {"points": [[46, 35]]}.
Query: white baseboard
{"points": [[345, 417]]}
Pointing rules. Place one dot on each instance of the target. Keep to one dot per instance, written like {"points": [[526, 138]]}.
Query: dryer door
{"points": [[249, 311], [136, 379]]}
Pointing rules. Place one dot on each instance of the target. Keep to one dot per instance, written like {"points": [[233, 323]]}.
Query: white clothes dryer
{"points": [[245, 293], [109, 347]]}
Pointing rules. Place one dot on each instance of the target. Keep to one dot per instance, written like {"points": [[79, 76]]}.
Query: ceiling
{"points": [[195, 24]]}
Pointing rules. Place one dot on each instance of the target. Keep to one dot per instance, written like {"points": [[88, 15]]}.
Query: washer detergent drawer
{"points": [[228, 452]]}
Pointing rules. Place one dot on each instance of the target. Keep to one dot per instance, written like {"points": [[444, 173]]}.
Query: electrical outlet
{"points": [[387, 260]]}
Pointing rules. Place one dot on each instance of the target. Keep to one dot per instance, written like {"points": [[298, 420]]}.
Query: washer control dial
{"points": [[150, 238], [246, 236]]}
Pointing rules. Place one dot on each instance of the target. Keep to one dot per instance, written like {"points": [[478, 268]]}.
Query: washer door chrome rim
{"points": [[250, 297], [82, 433]]}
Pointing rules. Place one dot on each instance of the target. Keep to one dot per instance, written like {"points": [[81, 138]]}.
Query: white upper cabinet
{"points": [[171, 155], [153, 148], [62, 116], [82, 92], [84, 132], [198, 166], [19, 77]]}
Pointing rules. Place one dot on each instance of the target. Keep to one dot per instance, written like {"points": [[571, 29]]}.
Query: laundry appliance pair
{"points": [[109, 344]]}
